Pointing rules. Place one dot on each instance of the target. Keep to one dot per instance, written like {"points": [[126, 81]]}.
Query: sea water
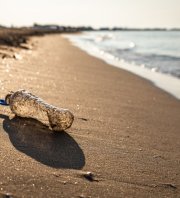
{"points": [[154, 55]]}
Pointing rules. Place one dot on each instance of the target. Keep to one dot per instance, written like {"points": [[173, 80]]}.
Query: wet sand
{"points": [[126, 131]]}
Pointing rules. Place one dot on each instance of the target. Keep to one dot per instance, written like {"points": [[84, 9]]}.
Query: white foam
{"points": [[166, 82]]}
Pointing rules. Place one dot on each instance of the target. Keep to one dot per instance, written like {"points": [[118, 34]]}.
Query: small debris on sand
{"points": [[169, 185], [56, 174], [81, 196], [64, 182], [166, 185], [89, 176], [6, 195], [17, 56], [84, 119]]}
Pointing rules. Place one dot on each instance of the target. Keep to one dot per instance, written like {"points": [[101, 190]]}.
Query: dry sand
{"points": [[126, 131]]}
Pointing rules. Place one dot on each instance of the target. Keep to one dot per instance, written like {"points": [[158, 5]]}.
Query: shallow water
{"points": [[154, 55], [156, 50]]}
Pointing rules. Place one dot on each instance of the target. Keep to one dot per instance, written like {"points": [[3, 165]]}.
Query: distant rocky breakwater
{"points": [[18, 37]]}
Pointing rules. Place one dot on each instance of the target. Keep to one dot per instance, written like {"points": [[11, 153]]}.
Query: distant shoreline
{"points": [[16, 37]]}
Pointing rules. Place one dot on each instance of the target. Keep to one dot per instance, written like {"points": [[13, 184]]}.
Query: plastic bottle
{"points": [[24, 104]]}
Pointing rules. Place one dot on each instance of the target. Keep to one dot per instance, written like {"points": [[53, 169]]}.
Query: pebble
{"points": [[89, 176], [17, 56], [56, 174], [81, 196], [6, 195]]}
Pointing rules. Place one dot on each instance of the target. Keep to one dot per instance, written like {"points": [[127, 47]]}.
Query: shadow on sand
{"points": [[58, 150]]}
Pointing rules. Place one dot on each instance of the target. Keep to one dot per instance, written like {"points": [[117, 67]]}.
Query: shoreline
{"points": [[165, 82], [126, 131]]}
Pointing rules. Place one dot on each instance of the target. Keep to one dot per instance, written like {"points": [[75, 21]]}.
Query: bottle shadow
{"points": [[58, 150]]}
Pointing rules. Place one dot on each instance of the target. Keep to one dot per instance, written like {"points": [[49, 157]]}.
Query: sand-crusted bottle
{"points": [[24, 104]]}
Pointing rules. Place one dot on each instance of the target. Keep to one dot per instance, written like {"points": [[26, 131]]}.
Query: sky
{"points": [[96, 13]]}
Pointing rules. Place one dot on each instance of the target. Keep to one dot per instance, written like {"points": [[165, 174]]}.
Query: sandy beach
{"points": [[125, 132]]}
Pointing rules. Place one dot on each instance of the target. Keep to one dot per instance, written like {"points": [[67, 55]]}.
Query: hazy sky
{"points": [[128, 13]]}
